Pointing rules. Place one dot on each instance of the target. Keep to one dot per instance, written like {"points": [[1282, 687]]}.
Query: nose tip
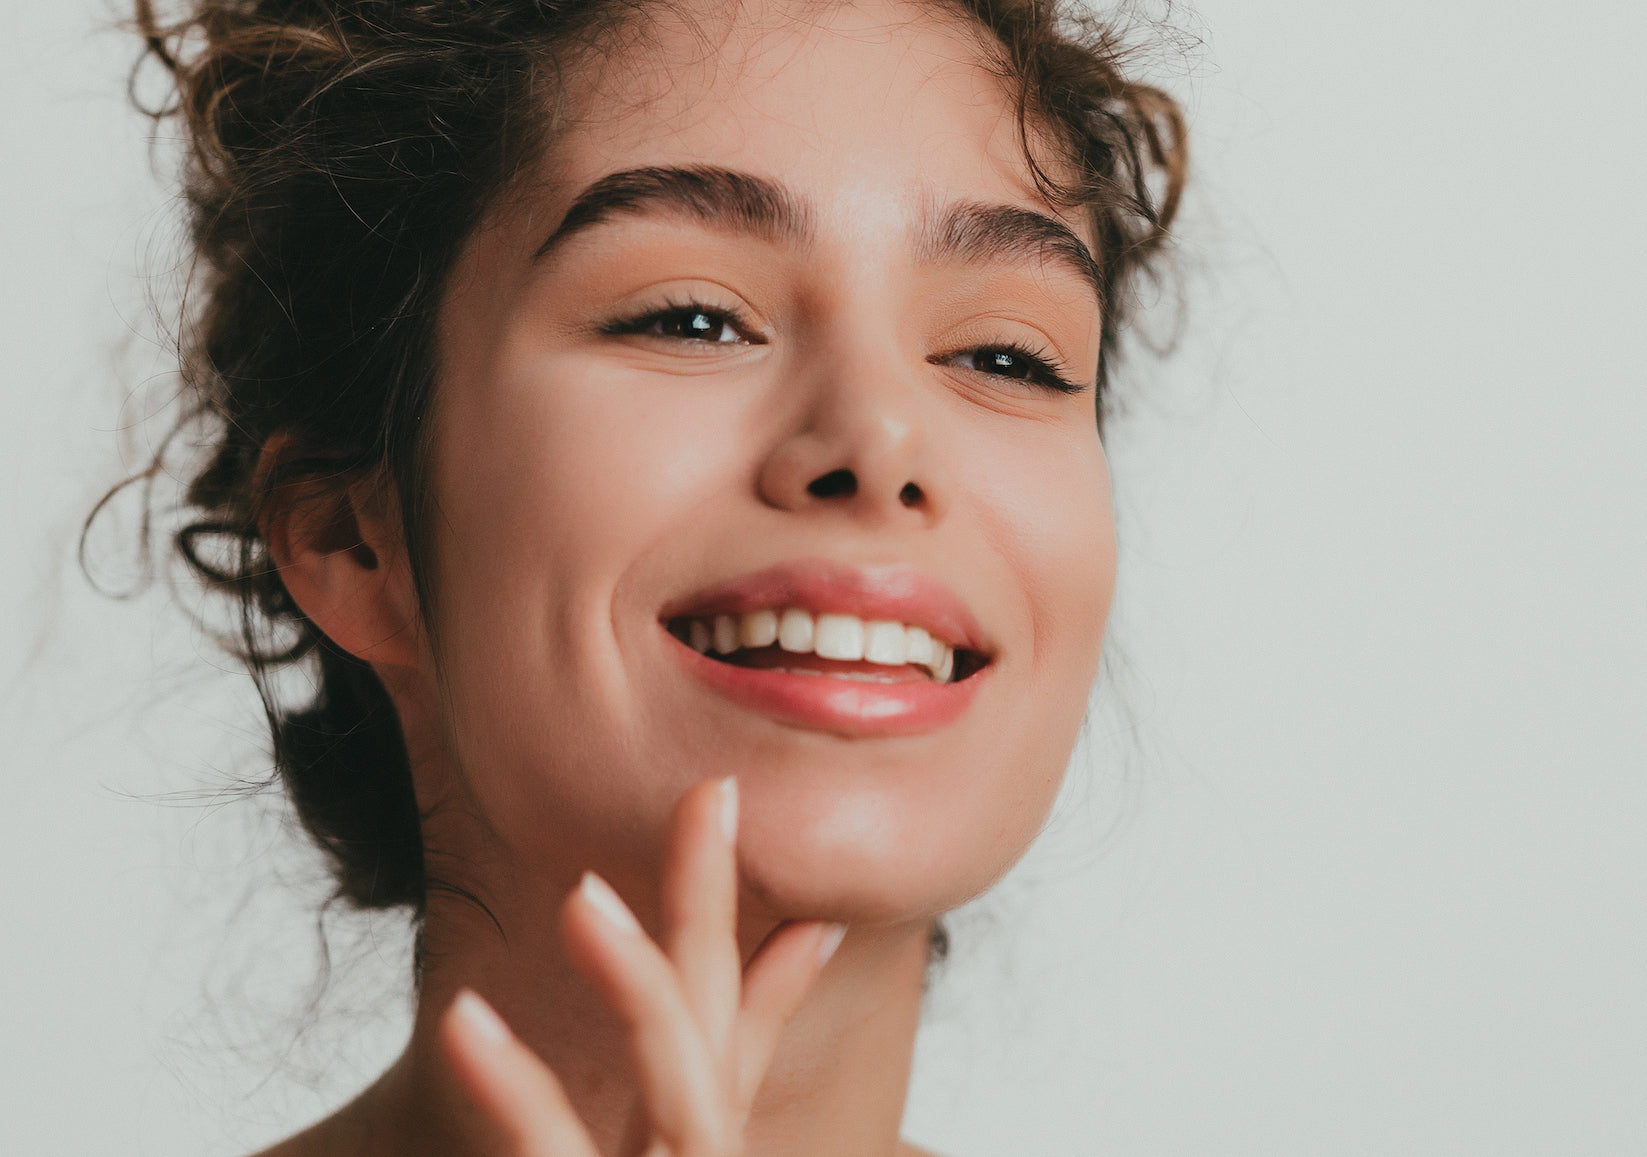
{"points": [[855, 443]]}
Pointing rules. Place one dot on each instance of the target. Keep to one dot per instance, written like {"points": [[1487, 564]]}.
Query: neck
{"points": [[836, 1085]]}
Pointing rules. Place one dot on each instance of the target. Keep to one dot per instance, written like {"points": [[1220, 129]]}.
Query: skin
{"points": [[585, 480]]}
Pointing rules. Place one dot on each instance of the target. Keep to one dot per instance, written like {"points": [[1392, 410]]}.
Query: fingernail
{"points": [[831, 940], [729, 809], [481, 1017], [608, 903]]}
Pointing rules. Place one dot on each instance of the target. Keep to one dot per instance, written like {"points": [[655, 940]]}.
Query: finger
{"points": [[700, 906], [776, 981], [521, 1102], [680, 1080]]}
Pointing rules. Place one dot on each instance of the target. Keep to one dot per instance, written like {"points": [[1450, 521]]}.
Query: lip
{"points": [[831, 704], [839, 706], [823, 586]]}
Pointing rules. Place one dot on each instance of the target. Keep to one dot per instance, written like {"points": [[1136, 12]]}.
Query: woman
{"points": [[669, 434]]}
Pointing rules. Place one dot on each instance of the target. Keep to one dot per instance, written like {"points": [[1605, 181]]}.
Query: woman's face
{"points": [[777, 335]]}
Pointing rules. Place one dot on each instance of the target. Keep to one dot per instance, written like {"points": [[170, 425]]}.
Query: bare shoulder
{"points": [[905, 1149]]}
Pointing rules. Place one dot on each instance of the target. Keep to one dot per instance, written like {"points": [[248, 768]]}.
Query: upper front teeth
{"points": [[829, 636], [758, 628]]}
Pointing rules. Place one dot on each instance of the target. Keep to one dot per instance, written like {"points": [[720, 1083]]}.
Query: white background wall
{"points": [[1354, 862]]}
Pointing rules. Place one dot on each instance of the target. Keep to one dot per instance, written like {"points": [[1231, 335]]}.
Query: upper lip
{"points": [[823, 586]]}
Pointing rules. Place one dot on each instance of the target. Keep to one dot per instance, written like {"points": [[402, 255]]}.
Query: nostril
{"points": [[910, 495], [836, 484]]}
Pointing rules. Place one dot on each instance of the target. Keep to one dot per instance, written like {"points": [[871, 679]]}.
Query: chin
{"points": [[863, 852]]}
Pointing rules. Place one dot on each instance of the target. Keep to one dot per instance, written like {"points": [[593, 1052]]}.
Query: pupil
{"points": [[1005, 363], [690, 324]]}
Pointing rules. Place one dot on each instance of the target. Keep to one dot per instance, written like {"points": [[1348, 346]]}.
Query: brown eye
{"points": [[1005, 363], [696, 324], [1015, 363], [692, 323]]}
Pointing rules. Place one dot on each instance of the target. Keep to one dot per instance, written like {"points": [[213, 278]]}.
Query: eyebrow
{"points": [[737, 202], [719, 198], [973, 231]]}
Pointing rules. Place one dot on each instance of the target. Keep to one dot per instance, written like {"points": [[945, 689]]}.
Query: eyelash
{"points": [[1044, 368], [653, 317]]}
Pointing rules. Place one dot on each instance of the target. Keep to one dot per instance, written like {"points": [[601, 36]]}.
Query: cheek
{"points": [[555, 459], [1052, 519], [553, 477], [557, 472], [1080, 581], [1045, 503]]}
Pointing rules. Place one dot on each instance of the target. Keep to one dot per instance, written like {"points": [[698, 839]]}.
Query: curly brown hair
{"points": [[338, 155]]}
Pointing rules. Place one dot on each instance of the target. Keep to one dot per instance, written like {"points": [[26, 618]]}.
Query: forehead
{"points": [[871, 111]]}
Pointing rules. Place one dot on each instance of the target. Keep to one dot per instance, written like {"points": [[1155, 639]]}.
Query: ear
{"points": [[341, 554]]}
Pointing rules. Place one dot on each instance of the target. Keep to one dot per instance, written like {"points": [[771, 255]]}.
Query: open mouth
{"points": [[798, 642]]}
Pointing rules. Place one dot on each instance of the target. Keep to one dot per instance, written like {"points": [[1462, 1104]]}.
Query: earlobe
{"points": [[339, 550]]}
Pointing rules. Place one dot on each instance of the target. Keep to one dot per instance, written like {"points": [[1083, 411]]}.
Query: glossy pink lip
{"points": [[822, 586], [839, 706], [827, 703]]}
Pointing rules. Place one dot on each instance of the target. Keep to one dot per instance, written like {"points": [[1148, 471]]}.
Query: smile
{"points": [[775, 640], [858, 651]]}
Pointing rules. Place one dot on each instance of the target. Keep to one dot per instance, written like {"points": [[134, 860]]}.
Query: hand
{"points": [[702, 1029]]}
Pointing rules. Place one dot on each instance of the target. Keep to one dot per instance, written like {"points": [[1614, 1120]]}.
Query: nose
{"points": [[859, 447]]}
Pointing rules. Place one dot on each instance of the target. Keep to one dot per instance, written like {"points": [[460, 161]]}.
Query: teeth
{"points": [[760, 629], [700, 636], [829, 636], [918, 646], [885, 643], [726, 634], [839, 637], [795, 631]]}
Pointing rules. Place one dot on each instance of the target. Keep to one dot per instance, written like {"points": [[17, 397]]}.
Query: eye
{"points": [[689, 322], [1013, 361]]}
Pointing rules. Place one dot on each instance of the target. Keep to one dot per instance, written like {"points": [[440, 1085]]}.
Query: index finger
{"points": [[776, 982]]}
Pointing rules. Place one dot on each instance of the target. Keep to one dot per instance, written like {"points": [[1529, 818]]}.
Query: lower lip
{"points": [[828, 703]]}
